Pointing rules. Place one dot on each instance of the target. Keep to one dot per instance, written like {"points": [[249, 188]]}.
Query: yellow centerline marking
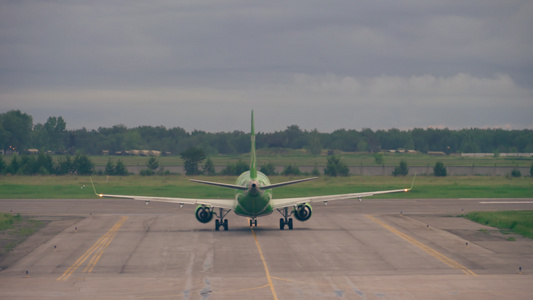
{"points": [[98, 249], [100, 252], [264, 264], [448, 261]]}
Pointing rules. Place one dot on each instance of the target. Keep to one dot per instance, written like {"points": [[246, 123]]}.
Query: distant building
{"points": [[33, 151], [143, 152], [436, 153], [492, 154]]}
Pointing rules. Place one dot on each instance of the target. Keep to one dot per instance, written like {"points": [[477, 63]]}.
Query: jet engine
{"points": [[303, 212], [203, 214]]}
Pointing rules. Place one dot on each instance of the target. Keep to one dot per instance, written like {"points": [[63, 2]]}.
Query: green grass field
{"points": [[78, 187], [520, 222]]}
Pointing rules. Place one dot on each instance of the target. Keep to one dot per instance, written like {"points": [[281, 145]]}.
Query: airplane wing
{"points": [[286, 202], [221, 203]]}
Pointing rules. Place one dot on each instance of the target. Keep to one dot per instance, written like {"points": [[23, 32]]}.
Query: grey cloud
{"points": [[170, 63]]}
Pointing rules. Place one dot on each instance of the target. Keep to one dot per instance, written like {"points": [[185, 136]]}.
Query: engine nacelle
{"points": [[303, 212], [203, 214]]}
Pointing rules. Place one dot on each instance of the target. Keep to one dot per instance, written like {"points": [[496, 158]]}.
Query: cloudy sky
{"points": [[318, 64]]}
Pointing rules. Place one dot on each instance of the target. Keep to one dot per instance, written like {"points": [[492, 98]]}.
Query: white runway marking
{"points": [[506, 202]]}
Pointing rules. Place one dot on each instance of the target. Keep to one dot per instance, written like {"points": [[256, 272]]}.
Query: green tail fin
{"points": [[253, 166]]}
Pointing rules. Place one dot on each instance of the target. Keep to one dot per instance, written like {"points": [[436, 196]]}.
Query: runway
{"points": [[375, 249]]}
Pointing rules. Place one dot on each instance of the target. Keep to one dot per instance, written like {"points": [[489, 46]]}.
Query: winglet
{"points": [[94, 189], [253, 166], [412, 184]]}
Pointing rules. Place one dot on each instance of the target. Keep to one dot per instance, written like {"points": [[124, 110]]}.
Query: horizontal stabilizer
{"points": [[243, 188], [226, 185], [275, 185]]}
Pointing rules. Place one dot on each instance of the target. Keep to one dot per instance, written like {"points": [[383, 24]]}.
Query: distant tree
{"points": [[313, 144], [469, 146], [4, 136], [440, 169], [293, 137], [44, 164], [335, 167], [83, 165], [110, 167], [27, 165], [401, 170], [15, 130], [378, 158], [146, 172], [152, 164], [315, 171], [291, 169], [269, 169], [3, 165], [191, 159], [65, 166], [241, 167], [54, 133], [236, 168], [362, 146], [209, 168], [120, 169], [229, 170], [162, 170], [14, 166], [516, 173], [531, 170], [17, 133]]}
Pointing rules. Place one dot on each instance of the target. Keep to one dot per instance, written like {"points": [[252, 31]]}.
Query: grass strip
{"points": [[14, 229], [520, 222], [8, 220], [79, 187]]}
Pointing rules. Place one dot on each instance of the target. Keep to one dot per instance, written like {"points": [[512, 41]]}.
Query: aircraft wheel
{"points": [[251, 222], [217, 224], [226, 225], [281, 224], [290, 224], [255, 223]]}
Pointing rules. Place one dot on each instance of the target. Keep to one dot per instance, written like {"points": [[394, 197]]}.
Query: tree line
{"points": [[18, 133], [44, 164], [81, 164], [193, 158]]}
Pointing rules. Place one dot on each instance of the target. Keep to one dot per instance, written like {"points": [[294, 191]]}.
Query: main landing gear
{"points": [[285, 220], [220, 221]]}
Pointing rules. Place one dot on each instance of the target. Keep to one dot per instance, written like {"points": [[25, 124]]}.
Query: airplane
{"points": [[253, 198]]}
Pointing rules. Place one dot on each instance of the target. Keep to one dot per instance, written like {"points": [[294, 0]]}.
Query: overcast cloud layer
{"points": [[318, 64]]}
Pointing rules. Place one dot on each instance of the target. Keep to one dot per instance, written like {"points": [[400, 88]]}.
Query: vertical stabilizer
{"points": [[253, 167]]}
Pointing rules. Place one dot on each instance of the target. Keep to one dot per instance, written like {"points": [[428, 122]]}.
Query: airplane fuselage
{"points": [[253, 202]]}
